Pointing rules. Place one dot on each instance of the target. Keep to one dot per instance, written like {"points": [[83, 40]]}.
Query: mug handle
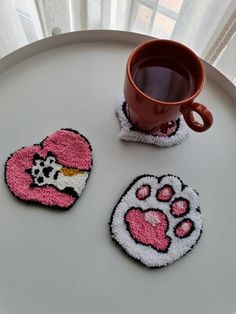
{"points": [[203, 112]]}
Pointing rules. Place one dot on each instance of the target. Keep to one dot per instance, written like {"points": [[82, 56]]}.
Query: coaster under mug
{"points": [[172, 133]]}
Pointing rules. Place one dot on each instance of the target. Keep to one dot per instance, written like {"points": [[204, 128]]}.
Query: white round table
{"points": [[65, 262]]}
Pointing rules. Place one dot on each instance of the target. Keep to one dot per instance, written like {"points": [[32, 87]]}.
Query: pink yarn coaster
{"points": [[173, 133], [52, 173], [157, 220]]}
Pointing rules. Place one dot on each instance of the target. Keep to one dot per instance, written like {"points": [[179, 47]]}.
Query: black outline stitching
{"points": [[183, 186], [145, 211], [32, 185], [187, 209], [37, 157], [56, 174], [165, 186], [149, 192], [198, 209], [46, 171], [190, 230]]}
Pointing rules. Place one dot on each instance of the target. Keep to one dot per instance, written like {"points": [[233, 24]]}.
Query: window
{"points": [[155, 17]]}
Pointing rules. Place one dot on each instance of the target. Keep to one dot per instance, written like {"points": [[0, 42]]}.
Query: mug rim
{"points": [[166, 103]]}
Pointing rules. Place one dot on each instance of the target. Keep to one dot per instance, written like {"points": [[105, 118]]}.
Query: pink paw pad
{"points": [[152, 231], [143, 192], [179, 207], [165, 193], [149, 228], [184, 228]]}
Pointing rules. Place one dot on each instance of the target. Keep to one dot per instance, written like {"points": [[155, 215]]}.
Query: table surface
{"points": [[66, 262]]}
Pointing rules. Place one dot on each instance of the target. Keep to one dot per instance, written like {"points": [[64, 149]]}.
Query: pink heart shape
{"points": [[149, 227], [71, 149]]}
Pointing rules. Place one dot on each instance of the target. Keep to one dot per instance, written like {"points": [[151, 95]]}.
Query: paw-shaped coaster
{"points": [[169, 134], [157, 220], [52, 173]]}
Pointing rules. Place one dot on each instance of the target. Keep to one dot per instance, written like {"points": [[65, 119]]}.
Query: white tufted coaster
{"points": [[172, 134], [157, 220]]}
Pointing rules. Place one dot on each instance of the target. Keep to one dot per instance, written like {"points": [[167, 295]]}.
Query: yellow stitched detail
{"points": [[69, 172]]}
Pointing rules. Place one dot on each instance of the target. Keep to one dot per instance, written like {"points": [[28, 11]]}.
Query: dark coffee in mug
{"points": [[163, 79]]}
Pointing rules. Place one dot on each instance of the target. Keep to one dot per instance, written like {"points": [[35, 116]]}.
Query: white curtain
{"points": [[206, 26], [12, 35]]}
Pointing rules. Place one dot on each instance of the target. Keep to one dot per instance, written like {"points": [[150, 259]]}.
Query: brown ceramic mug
{"points": [[163, 78]]}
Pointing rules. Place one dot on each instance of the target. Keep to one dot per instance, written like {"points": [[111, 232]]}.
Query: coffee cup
{"points": [[163, 79]]}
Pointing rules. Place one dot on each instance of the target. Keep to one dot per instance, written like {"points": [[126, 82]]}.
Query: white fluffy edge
{"points": [[146, 254], [138, 136]]}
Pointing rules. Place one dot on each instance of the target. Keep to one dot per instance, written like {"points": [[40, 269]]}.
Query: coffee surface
{"points": [[163, 79]]}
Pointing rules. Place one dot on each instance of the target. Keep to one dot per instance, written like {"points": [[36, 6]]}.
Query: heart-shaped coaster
{"points": [[52, 173], [157, 220]]}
